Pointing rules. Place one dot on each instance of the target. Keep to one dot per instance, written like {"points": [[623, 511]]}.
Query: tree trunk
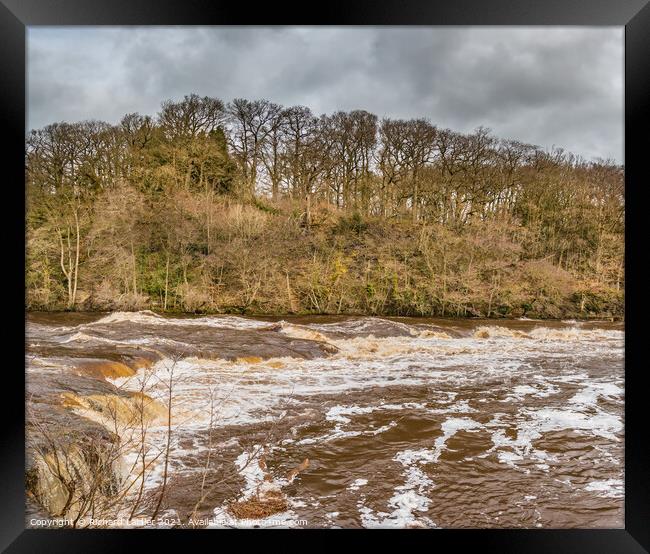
{"points": [[66, 272], [414, 208], [166, 282], [76, 261], [308, 211], [135, 269]]}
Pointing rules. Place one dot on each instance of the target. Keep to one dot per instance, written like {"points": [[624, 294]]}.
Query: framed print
{"points": [[375, 272]]}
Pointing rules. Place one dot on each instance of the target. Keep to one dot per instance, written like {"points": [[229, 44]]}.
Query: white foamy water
{"points": [[508, 389], [150, 318], [245, 389], [612, 488]]}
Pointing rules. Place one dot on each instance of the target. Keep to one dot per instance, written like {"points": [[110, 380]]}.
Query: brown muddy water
{"points": [[404, 422]]}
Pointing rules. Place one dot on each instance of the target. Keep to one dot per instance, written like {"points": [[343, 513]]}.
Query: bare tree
{"points": [[252, 122]]}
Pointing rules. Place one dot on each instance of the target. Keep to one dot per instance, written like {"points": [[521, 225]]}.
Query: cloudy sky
{"points": [[559, 86]]}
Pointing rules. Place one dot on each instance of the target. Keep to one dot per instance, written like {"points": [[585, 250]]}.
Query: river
{"points": [[350, 421]]}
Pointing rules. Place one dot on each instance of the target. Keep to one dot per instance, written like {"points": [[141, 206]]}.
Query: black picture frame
{"points": [[16, 15]]}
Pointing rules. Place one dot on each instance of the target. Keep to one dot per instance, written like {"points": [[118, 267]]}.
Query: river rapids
{"points": [[347, 421]]}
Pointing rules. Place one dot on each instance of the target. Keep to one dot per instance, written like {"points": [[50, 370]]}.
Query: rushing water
{"points": [[405, 422]]}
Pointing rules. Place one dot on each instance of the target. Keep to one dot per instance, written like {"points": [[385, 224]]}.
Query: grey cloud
{"points": [[546, 86]]}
